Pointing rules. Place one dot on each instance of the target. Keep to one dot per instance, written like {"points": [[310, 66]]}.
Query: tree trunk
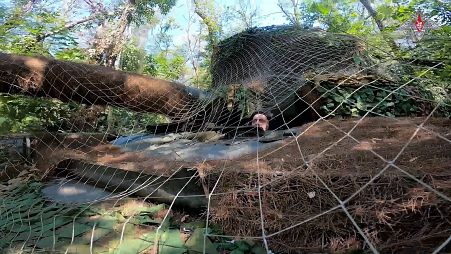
{"points": [[91, 84], [380, 25], [109, 39], [373, 13], [295, 17], [209, 20]]}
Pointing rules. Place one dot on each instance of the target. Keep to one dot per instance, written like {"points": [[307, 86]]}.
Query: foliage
{"points": [[240, 17], [145, 10], [72, 53], [208, 12], [41, 226], [170, 65], [111, 35], [21, 114], [135, 59], [123, 121], [21, 33], [431, 58], [42, 31], [210, 16], [433, 49], [25, 33], [164, 39], [203, 78], [385, 100], [24, 114]]}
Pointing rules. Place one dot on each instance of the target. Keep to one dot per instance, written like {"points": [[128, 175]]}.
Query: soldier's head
{"points": [[260, 119]]}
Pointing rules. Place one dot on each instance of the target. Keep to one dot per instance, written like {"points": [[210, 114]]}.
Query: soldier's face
{"points": [[261, 121]]}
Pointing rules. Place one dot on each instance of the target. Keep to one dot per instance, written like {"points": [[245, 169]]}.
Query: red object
{"points": [[419, 24]]}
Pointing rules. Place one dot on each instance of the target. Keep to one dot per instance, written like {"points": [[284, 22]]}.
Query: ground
{"points": [[392, 175]]}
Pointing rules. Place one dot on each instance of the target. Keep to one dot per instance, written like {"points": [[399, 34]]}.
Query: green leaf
{"points": [[48, 214], [149, 237], [172, 238], [144, 219], [107, 223], [193, 225], [357, 59], [51, 223], [225, 246], [360, 105], [75, 229], [132, 246], [82, 248], [47, 242], [104, 221], [152, 210], [4, 120], [98, 234], [196, 242], [171, 250], [258, 250], [242, 245]]}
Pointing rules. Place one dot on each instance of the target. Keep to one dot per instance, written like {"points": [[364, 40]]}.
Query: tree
{"points": [[19, 32], [206, 10], [293, 15], [137, 60], [90, 84], [166, 61], [246, 15], [194, 52], [373, 14], [209, 15], [21, 8], [110, 35], [163, 39], [169, 65]]}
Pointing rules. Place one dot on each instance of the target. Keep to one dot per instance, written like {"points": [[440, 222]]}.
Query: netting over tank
{"points": [[205, 180], [274, 61]]}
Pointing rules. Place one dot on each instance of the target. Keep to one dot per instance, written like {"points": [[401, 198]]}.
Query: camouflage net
{"points": [[377, 184]]}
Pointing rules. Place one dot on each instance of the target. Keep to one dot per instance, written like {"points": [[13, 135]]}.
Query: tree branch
{"points": [[41, 37], [294, 18], [296, 13], [209, 21], [373, 14]]}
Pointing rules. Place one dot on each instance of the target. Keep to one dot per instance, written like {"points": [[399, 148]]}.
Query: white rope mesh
{"points": [[310, 183]]}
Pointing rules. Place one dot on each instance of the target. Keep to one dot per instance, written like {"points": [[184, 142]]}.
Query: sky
{"points": [[267, 9], [268, 13]]}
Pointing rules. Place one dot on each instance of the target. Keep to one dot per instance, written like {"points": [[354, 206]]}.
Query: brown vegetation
{"points": [[299, 201]]}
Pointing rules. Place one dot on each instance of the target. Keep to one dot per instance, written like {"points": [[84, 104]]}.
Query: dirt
{"points": [[372, 141]]}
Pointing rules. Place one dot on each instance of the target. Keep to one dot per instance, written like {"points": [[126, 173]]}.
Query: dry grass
{"points": [[395, 212], [299, 200]]}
